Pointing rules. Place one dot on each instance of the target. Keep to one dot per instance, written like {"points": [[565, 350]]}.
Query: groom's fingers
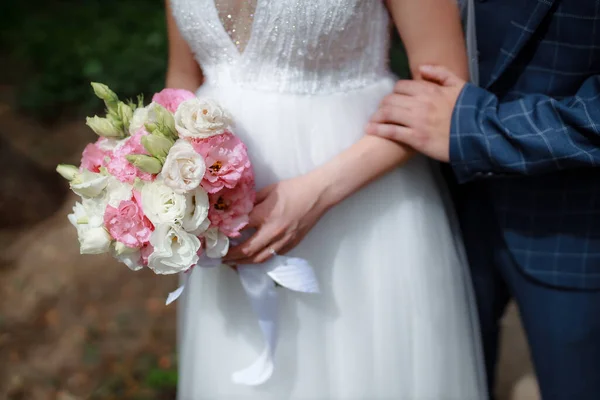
{"points": [[397, 100], [439, 74], [414, 88], [396, 133], [392, 115]]}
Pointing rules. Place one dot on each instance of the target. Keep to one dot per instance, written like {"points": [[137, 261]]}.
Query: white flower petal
{"points": [[196, 215], [89, 184], [201, 118], [161, 204], [94, 241], [184, 168], [175, 250], [216, 243]]}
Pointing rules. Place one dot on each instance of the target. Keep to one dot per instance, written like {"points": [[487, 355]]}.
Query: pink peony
{"points": [[229, 208], [122, 169], [94, 157], [226, 159], [128, 224], [172, 98]]}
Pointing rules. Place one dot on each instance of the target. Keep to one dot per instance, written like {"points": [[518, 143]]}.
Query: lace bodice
{"points": [[292, 46]]}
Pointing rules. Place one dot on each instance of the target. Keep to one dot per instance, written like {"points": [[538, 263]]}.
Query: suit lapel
{"points": [[522, 27]]}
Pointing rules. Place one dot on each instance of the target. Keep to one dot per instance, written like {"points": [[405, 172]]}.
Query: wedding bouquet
{"points": [[164, 185]]}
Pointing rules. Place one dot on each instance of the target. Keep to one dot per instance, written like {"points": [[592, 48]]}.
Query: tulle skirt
{"points": [[395, 318]]}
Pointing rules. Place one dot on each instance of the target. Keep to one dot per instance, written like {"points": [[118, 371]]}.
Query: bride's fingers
{"points": [[255, 220], [265, 235], [262, 194], [289, 246], [268, 252]]}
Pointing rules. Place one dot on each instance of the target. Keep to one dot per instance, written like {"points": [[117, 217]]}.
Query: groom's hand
{"points": [[418, 113]]}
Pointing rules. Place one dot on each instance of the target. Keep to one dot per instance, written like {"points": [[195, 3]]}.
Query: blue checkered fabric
{"points": [[531, 134]]}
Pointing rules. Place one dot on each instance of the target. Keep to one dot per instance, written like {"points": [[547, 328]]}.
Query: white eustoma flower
{"points": [[88, 184], [216, 243], [93, 237], [196, 219], [184, 168], [161, 204], [175, 250], [201, 118]]}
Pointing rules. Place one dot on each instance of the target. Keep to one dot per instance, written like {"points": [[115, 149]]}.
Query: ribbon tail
{"points": [[175, 294], [293, 273], [260, 289]]}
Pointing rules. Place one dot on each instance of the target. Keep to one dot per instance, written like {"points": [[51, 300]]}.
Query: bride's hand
{"points": [[284, 213]]}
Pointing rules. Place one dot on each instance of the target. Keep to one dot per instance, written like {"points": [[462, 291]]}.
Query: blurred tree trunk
{"points": [[28, 193]]}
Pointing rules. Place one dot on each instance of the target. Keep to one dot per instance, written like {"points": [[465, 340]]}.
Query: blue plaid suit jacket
{"points": [[531, 135]]}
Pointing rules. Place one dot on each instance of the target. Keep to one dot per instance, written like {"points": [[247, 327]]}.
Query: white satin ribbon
{"points": [[258, 282]]}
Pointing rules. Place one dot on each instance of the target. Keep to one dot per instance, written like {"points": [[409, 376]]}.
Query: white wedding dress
{"points": [[395, 317]]}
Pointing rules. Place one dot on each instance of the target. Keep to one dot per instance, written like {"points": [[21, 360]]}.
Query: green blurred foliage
{"points": [[55, 48], [161, 378]]}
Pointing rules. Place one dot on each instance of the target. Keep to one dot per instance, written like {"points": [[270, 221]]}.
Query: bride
{"points": [[394, 319]]}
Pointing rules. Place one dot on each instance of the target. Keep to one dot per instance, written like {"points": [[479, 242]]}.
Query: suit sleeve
{"points": [[532, 135]]}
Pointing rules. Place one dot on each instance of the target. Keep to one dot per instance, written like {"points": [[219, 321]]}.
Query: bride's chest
{"points": [[256, 24]]}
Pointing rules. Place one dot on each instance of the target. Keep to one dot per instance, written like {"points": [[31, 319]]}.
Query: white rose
{"points": [[88, 184], [196, 219], [201, 118], [140, 117], [175, 250], [128, 256], [161, 204], [184, 168], [216, 243], [93, 237]]}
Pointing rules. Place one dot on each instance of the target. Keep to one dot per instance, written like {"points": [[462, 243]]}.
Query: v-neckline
{"points": [[226, 37]]}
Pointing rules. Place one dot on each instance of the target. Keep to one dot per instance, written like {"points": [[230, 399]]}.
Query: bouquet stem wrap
{"points": [[258, 282]]}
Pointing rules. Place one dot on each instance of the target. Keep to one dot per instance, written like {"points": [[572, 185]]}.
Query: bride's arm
{"points": [[432, 34], [285, 212], [183, 72]]}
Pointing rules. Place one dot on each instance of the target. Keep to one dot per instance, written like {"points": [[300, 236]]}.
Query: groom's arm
{"points": [[534, 134]]}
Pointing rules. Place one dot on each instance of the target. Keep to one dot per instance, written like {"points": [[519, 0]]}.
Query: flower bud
{"points": [[103, 127], [163, 119], [145, 163], [125, 115], [69, 172], [115, 119], [104, 93], [88, 184], [157, 145], [152, 127]]}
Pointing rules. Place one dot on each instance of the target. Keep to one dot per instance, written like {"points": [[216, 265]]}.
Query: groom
{"points": [[525, 147]]}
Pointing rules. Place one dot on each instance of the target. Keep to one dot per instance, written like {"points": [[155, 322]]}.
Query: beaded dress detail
{"points": [[288, 45], [395, 318]]}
